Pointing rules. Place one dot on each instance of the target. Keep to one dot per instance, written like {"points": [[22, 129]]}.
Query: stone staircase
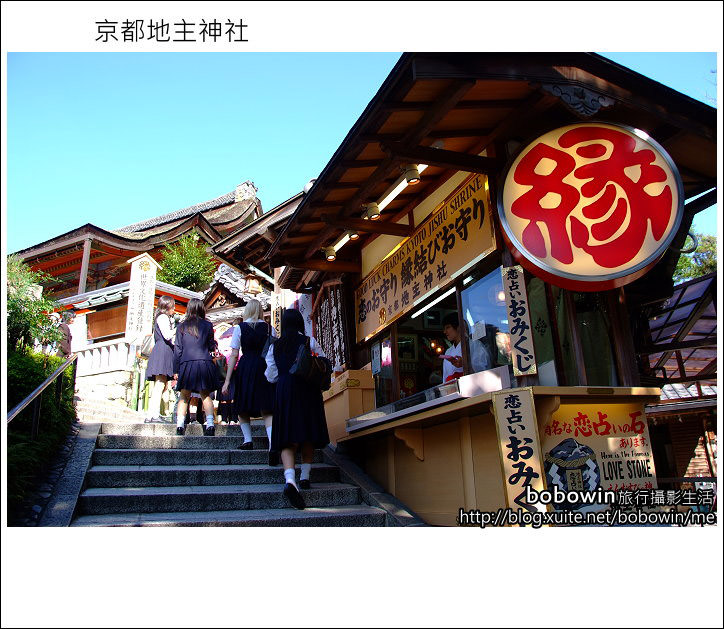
{"points": [[89, 409], [145, 475]]}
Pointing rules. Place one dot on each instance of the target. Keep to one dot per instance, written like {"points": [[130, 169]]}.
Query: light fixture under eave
{"points": [[341, 242], [372, 212], [330, 254], [389, 195], [353, 235], [412, 174], [253, 285]]}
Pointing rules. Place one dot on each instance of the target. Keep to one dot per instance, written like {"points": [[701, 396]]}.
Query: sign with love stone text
{"points": [[592, 445]]}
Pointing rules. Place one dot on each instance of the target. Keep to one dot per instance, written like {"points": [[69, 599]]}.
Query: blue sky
{"points": [[115, 138]]}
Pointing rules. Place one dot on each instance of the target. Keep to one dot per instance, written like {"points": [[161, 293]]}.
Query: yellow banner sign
{"points": [[453, 238], [592, 446], [520, 448]]}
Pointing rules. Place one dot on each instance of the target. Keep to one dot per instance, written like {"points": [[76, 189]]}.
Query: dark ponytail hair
{"points": [[194, 311], [164, 304]]}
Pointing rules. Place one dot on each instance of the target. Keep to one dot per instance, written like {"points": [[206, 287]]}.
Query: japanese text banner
{"points": [[520, 448], [521, 337], [139, 318], [450, 240]]}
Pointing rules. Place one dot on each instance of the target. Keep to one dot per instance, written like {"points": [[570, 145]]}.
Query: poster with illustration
{"points": [[592, 445]]}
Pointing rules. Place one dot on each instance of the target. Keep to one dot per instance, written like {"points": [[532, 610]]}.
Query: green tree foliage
{"points": [[187, 264], [28, 311], [698, 263]]}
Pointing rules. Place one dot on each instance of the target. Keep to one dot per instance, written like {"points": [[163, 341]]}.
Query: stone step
{"points": [[99, 501], [135, 442], [348, 515], [194, 429], [92, 403], [167, 456], [108, 408], [95, 418], [198, 475]]}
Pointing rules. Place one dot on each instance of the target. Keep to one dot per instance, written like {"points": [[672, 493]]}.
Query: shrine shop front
{"points": [[478, 249]]}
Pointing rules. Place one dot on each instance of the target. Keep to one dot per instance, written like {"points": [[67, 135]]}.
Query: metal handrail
{"points": [[39, 390]]}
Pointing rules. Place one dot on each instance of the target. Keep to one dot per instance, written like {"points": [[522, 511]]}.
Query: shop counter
{"points": [[457, 455]]}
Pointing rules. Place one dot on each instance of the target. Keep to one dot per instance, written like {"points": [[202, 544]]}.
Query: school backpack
{"points": [[316, 370], [146, 346]]}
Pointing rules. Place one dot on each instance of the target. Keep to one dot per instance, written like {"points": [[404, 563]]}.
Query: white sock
{"points": [[289, 476], [246, 430], [180, 420], [268, 434], [306, 469], [209, 420]]}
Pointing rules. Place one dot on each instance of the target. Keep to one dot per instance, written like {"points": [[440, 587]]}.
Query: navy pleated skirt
{"points": [[253, 395], [160, 362], [298, 414], [198, 375]]}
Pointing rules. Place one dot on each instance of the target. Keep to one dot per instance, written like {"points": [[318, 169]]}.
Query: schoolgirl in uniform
{"points": [[193, 364], [253, 394], [160, 362], [298, 419]]}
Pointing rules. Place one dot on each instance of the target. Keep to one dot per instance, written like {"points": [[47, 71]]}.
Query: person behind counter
{"points": [[298, 418], [193, 365], [452, 367]]}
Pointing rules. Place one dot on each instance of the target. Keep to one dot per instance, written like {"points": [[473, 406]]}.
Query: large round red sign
{"points": [[591, 206]]}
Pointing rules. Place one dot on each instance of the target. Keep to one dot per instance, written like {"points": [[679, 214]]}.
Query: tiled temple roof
{"points": [[236, 283], [243, 192]]}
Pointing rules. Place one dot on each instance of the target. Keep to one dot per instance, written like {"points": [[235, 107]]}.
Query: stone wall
{"points": [[114, 386]]}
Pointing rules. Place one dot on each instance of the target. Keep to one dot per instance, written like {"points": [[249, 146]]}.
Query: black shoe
{"points": [[273, 458], [247, 445], [180, 430], [305, 484], [209, 431], [293, 496]]}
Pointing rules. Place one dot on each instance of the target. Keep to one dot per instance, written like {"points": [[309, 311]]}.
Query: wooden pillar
{"points": [[84, 266]]}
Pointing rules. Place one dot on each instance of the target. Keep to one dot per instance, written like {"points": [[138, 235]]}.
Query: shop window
{"points": [[587, 353], [595, 333], [425, 343], [542, 331], [563, 319], [383, 371], [485, 323]]}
